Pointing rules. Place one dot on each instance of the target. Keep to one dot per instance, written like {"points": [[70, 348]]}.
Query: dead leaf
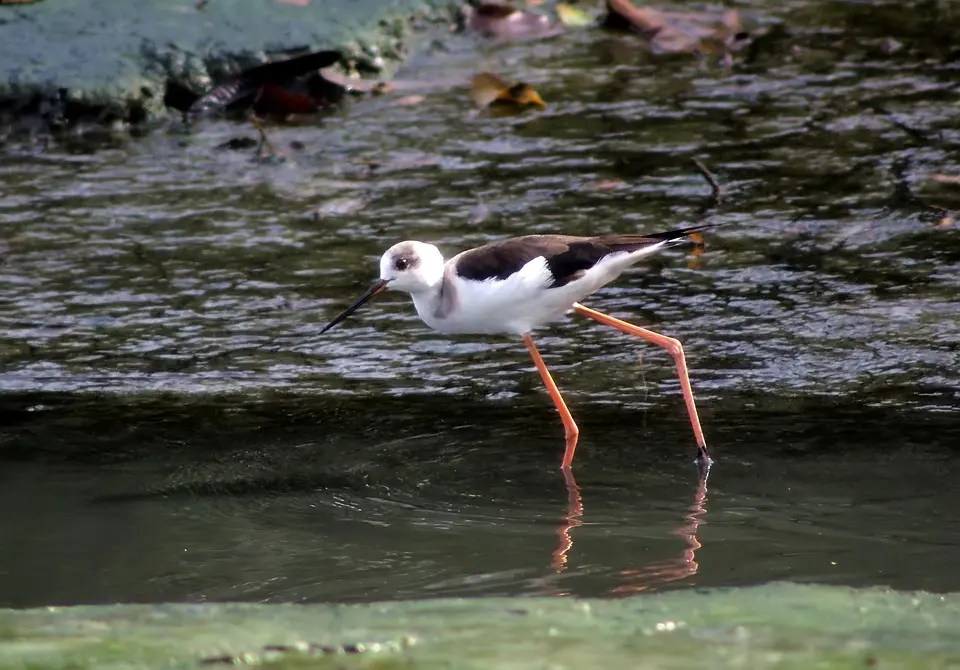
{"points": [[679, 32], [698, 250], [945, 178], [339, 207], [945, 222], [487, 90], [608, 184], [486, 87], [622, 15], [573, 17], [409, 100], [499, 20]]}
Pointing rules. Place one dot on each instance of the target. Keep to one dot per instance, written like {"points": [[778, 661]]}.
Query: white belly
{"points": [[515, 305]]}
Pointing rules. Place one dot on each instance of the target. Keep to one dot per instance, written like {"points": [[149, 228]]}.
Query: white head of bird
{"points": [[413, 267]]}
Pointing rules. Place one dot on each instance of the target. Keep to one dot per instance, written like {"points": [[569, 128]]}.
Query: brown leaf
{"points": [[499, 20], [945, 222], [521, 95], [608, 184], [487, 89], [622, 15], [945, 178], [409, 100], [679, 32]]}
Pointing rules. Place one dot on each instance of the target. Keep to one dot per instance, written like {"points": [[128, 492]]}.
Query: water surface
{"points": [[173, 426]]}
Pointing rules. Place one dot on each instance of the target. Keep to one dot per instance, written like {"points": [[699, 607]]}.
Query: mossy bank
{"points": [[109, 61]]}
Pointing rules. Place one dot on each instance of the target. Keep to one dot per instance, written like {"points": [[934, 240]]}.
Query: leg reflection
{"points": [[683, 566], [570, 521]]}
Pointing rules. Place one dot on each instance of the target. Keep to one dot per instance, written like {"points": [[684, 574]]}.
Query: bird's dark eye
{"points": [[401, 264]]}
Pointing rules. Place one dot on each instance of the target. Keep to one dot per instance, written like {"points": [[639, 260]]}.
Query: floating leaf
{"points": [[573, 17], [409, 100], [945, 178], [339, 207], [487, 87], [608, 184], [679, 32], [499, 20], [945, 222], [622, 15], [489, 90]]}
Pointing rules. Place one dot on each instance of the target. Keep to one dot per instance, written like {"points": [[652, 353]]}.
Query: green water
{"points": [[172, 426]]}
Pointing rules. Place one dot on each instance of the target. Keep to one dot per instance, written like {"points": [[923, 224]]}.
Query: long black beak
{"points": [[378, 287]]}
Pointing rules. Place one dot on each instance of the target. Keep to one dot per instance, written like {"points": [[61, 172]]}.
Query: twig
{"points": [[915, 133], [903, 195], [264, 141], [711, 179]]}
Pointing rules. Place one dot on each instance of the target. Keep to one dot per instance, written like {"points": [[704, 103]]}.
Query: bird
{"points": [[515, 285]]}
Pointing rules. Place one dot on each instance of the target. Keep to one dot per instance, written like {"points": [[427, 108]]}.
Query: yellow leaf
{"points": [[572, 17], [487, 87]]}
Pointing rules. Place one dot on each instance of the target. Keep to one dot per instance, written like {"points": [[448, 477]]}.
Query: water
{"points": [[174, 428]]}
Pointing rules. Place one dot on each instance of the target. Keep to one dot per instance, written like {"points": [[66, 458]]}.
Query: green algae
{"points": [[776, 625], [109, 60]]}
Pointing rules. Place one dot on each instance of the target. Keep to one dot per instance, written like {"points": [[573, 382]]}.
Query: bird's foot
{"points": [[703, 460]]}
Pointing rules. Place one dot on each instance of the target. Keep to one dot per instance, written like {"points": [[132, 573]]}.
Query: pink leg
{"points": [[571, 521], [569, 425], [676, 351]]}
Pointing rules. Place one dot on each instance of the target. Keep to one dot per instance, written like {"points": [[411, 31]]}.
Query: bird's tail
{"points": [[652, 242], [678, 234]]}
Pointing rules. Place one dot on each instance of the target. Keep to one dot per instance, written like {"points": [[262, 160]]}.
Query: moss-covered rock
{"points": [[109, 60]]}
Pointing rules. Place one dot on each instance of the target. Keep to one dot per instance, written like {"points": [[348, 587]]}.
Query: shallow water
{"points": [[173, 426]]}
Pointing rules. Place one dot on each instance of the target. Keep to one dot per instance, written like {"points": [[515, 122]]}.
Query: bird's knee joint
{"points": [[674, 347]]}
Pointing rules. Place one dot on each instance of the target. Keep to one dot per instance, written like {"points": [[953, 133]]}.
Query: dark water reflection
{"points": [[310, 499], [175, 428]]}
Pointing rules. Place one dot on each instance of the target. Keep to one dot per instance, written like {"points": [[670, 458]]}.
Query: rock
{"points": [[111, 60]]}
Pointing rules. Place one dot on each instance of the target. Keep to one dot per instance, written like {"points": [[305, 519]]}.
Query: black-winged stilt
{"points": [[521, 283]]}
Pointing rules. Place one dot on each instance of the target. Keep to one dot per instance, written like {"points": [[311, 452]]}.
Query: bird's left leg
{"points": [[569, 425], [675, 349]]}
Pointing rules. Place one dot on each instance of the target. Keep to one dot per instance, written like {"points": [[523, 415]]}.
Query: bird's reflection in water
{"points": [[570, 521], [653, 574]]}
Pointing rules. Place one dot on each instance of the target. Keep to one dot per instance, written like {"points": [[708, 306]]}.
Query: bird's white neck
{"points": [[434, 302]]}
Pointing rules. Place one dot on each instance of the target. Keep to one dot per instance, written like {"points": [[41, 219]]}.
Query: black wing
{"points": [[567, 257]]}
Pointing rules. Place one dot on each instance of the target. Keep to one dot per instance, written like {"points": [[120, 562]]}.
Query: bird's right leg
{"points": [[569, 425], [675, 349]]}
